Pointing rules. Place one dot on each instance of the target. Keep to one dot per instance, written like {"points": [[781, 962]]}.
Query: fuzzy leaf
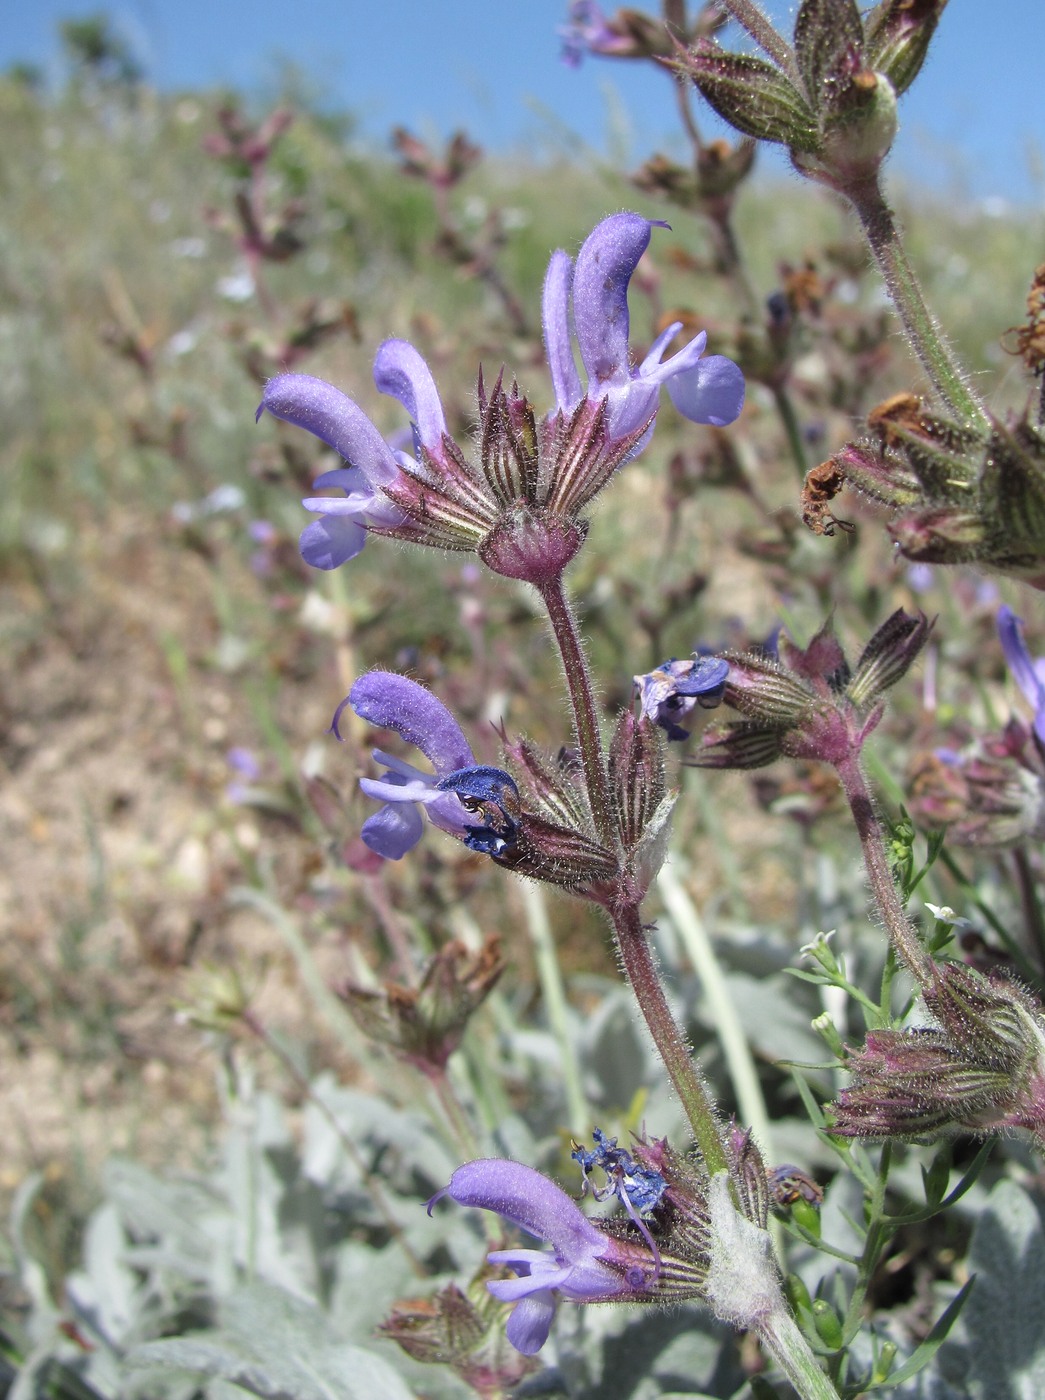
{"points": [[1004, 1320]]}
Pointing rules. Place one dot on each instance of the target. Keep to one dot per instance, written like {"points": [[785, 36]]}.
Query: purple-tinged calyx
{"points": [[476, 803], [705, 390], [810, 704], [979, 1069], [669, 695]]}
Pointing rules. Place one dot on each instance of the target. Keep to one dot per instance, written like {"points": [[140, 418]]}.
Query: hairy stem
{"points": [[627, 922], [735, 1048], [585, 712], [783, 1340], [923, 332], [685, 1077], [886, 896]]}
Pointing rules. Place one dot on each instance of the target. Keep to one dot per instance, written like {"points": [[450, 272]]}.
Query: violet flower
{"points": [[585, 1265], [586, 31], [669, 695], [340, 532], [1027, 672], [473, 802], [709, 390], [516, 501]]}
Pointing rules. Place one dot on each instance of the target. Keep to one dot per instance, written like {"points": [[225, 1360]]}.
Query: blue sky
{"points": [[974, 122]]}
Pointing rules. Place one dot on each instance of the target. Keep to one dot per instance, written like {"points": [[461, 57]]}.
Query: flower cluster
{"points": [[830, 97], [669, 1248], [979, 1069], [518, 505], [547, 834], [807, 702], [961, 492]]}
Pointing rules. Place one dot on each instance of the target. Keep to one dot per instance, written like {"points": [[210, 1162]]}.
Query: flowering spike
{"points": [[518, 506]]}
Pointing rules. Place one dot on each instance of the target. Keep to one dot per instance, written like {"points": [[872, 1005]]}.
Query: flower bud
{"points": [[752, 95], [888, 656], [636, 762], [831, 100], [450, 1329], [897, 38]]}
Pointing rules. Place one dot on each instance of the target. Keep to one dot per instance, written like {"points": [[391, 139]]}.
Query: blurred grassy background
{"points": [[142, 638]]}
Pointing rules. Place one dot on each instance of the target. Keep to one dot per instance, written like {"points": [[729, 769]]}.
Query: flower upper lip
{"points": [[711, 391]]}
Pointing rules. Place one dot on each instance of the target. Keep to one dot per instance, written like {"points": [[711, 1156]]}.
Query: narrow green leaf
{"points": [[923, 1354]]}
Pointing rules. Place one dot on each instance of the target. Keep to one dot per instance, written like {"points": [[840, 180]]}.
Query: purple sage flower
{"points": [[669, 695], [1028, 672], [586, 31], [708, 390], [340, 532], [584, 1265], [473, 802], [516, 499]]}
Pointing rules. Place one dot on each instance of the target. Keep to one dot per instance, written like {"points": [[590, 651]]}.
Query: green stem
{"points": [[685, 1077], [454, 1112], [784, 1341], [923, 332], [585, 713], [371, 1183], [786, 409], [1030, 899], [886, 896], [877, 1233]]}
